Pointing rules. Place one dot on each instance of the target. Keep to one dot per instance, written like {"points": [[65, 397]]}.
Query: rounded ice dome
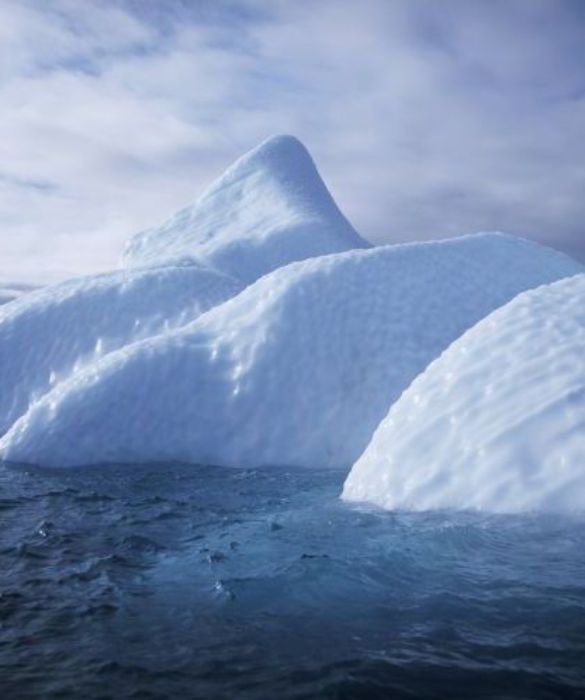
{"points": [[48, 334], [496, 423], [296, 370]]}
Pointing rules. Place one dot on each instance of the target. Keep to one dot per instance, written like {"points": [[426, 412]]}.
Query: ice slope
{"points": [[298, 369], [11, 291], [47, 334], [497, 422], [8, 294], [268, 209]]}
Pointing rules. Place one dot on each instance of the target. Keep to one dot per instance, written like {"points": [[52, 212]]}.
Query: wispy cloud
{"points": [[427, 119]]}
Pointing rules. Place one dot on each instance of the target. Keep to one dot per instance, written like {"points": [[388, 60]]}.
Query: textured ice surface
{"points": [[268, 209], [497, 422], [47, 334], [298, 369]]}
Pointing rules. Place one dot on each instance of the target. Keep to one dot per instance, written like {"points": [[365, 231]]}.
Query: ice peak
{"points": [[269, 208], [283, 163], [280, 149], [285, 157]]}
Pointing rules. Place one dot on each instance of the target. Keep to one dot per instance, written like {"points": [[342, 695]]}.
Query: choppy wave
{"points": [[173, 581]]}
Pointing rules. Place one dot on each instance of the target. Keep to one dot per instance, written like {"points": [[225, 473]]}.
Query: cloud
{"points": [[426, 119]]}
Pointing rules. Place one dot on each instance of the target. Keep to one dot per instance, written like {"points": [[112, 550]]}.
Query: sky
{"points": [[426, 119]]}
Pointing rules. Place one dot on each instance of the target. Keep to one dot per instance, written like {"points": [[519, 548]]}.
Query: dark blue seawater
{"points": [[200, 582]]}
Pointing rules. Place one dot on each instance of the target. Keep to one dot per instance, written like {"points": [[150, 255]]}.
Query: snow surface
{"points": [[298, 369], [47, 334], [268, 209], [497, 422]]}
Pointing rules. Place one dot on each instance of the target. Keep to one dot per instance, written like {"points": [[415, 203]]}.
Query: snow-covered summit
{"points": [[268, 209], [297, 369], [497, 422]]}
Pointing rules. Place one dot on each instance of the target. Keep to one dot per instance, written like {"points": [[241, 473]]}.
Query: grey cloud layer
{"points": [[427, 119]]}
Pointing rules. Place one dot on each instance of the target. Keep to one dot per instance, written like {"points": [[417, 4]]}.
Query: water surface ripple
{"points": [[200, 582]]}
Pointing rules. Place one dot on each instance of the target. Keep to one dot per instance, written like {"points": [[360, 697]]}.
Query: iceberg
{"points": [[268, 209], [47, 334], [297, 369], [496, 423]]}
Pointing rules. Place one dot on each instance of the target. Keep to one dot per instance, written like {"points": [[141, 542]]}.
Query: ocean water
{"points": [[174, 581]]}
